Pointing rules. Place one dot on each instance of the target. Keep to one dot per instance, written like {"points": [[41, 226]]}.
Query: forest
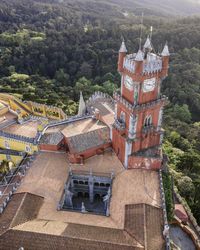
{"points": [[50, 50]]}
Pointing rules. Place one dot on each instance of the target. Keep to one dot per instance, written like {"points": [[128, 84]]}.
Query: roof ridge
{"points": [[132, 236], [145, 226], [18, 209]]}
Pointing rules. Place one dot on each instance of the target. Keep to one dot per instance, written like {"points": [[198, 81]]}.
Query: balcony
{"points": [[152, 128], [148, 129]]}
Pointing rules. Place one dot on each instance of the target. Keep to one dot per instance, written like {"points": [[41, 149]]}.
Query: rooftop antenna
{"points": [[151, 31], [141, 30]]}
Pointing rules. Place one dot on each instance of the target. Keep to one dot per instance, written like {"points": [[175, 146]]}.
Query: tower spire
{"points": [[123, 47], [82, 106], [139, 56], [165, 51], [148, 44], [141, 26]]}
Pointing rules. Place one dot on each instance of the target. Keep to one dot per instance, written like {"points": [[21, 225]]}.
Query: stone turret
{"points": [[165, 51], [165, 60], [122, 54], [139, 62], [82, 106]]}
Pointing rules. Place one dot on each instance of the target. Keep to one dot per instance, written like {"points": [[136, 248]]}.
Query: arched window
{"points": [[148, 121], [122, 116], [27, 148]]}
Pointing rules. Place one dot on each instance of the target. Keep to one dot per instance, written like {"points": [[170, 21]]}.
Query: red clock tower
{"points": [[137, 133]]}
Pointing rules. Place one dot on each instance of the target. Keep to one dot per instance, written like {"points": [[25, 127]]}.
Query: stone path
{"points": [[181, 239]]}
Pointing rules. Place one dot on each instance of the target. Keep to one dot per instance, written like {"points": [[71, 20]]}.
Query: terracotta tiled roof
{"points": [[51, 138], [145, 223], [14, 239], [82, 142], [101, 234], [22, 207], [180, 212], [143, 229]]}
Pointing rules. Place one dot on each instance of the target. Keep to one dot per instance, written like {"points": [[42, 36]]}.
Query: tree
{"points": [[62, 77], [109, 87], [189, 162], [182, 113], [186, 188], [85, 70]]}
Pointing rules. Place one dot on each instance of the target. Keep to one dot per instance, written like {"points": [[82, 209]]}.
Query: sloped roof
{"points": [[129, 227], [143, 230], [116, 236], [145, 223], [22, 207], [92, 139], [51, 138], [81, 127], [14, 239], [180, 212]]}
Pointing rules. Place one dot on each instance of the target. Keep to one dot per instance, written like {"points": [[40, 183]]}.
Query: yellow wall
{"points": [[47, 111], [18, 145], [33, 108], [15, 107], [3, 110], [16, 159]]}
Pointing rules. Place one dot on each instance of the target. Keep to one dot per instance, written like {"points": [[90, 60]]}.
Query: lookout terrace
{"points": [[93, 180]]}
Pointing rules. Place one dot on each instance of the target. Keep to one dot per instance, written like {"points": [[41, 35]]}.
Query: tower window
{"points": [[148, 121], [122, 117]]}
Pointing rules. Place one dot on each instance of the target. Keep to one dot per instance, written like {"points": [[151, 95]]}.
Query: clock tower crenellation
{"points": [[137, 132]]}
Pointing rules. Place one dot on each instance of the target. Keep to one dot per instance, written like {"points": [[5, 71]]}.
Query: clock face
{"points": [[128, 82], [149, 84]]}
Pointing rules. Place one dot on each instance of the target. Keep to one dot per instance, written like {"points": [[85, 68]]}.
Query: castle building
{"points": [[85, 182]]}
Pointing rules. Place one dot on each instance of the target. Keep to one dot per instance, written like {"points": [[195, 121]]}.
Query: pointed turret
{"points": [[165, 51], [82, 106], [165, 60], [123, 48], [148, 45], [139, 62], [122, 54], [139, 56]]}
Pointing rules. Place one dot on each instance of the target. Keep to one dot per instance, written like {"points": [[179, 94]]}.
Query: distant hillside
{"points": [[153, 7], [161, 7]]}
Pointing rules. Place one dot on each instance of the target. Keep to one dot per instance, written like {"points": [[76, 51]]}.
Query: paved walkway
{"points": [[181, 239]]}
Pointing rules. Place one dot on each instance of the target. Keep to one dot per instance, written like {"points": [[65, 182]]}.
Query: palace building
{"points": [[94, 180]]}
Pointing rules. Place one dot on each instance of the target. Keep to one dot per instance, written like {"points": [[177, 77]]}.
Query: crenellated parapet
{"points": [[25, 109], [98, 95], [152, 64], [44, 110]]}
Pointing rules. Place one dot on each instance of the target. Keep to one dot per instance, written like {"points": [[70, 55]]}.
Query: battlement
{"points": [[152, 63]]}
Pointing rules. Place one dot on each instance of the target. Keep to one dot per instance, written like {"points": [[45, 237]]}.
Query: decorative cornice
{"points": [[138, 107]]}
